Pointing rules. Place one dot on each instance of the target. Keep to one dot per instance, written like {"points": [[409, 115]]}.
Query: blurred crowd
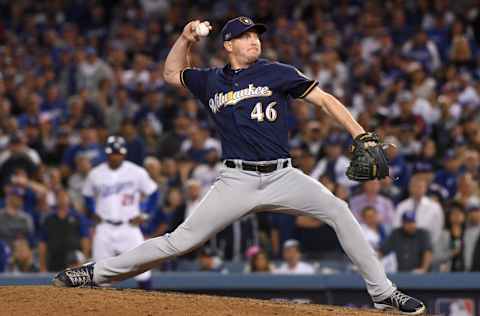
{"points": [[74, 72]]}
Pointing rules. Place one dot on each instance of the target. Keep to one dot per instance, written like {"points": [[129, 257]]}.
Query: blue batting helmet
{"points": [[115, 145]]}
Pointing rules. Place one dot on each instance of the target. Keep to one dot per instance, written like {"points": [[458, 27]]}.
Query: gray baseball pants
{"points": [[238, 192]]}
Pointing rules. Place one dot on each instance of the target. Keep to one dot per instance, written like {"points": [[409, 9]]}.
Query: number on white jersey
{"points": [[127, 199], [259, 115]]}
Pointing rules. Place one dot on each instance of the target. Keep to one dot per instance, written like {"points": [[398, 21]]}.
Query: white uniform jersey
{"points": [[117, 193]]}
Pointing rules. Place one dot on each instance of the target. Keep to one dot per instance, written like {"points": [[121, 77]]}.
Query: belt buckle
{"points": [[259, 166]]}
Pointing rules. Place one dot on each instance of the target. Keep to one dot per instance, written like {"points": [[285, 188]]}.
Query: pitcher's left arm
{"points": [[336, 109]]}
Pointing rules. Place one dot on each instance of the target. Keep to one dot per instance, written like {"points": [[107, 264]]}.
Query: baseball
{"points": [[202, 29]]}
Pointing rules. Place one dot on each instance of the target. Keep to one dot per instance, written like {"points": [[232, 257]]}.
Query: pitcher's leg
{"points": [[218, 208], [297, 191]]}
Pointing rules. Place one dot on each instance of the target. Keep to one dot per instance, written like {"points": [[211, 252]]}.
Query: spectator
{"points": [[82, 113], [92, 70], [235, 239], [150, 110], [88, 146], [426, 161], [371, 197], [173, 213], [135, 146], [448, 251], [77, 180], [471, 164], [123, 107], [467, 191], [210, 261], [428, 213], [306, 161], [282, 227], [171, 142], [22, 257], [207, 173], [292, 256], [54, 104], [14, 221], [139, 74], [310, 137], [18, 156], [335, 164], [193, 195], [447, 177], [258, 261], [372, 227], [460, 53], [155, 171], [32, 112], [472, 235], [423, 50], [411, 245], [307, 230], [398, 170], [65, 222], [197, 146], [34, 195], [405, 119]]}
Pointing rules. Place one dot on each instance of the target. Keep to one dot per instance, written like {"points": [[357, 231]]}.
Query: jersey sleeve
{"points": [[147, 185], [294, 82], [83, 227], [195, 80]]}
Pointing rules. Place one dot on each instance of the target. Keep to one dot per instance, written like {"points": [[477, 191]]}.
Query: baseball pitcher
{"points": [[248, 101]]}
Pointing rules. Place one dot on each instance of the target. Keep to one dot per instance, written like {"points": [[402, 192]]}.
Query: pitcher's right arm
{"points": [[178, 57]]}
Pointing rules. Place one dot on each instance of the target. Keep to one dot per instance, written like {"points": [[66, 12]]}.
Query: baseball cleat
{"points": [[75, 277], [401, 302]]}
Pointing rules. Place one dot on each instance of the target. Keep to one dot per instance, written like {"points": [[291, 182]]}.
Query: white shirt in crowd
{"points": [[210, 143], [300, 268], [206, 175], [429, 215], [341, 167], [372, 236]]}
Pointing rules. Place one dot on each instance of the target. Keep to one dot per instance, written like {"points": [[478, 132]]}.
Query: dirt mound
{"points": [[48, 300]]}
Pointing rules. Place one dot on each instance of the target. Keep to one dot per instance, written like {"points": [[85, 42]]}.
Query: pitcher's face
{"points": [[246, 48]]}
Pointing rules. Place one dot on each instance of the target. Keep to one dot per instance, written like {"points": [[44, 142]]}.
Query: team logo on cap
{"points": [[245, 20]]}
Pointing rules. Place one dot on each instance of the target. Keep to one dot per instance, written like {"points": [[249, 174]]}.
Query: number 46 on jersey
{"points": [[259, 114]]}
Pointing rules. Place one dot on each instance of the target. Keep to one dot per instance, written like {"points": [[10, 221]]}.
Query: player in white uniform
{"points": [[113, 191]]}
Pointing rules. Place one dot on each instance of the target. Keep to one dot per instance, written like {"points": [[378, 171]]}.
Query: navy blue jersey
{"points": [[249, 106]]}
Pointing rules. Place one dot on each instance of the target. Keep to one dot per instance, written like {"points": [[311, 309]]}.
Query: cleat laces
{"points": [[79, 277], [399, 298]]}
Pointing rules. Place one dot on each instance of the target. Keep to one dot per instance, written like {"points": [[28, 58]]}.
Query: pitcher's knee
{"points": [[182, 241], [341, 210]]}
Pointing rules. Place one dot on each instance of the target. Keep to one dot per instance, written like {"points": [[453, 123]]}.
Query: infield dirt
{"points": [[52, 301]]}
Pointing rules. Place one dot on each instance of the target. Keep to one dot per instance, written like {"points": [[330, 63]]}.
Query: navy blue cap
{"points": [[408, 217], [90, 50], [422, 166], [236, 27], [450, 155], [335, 139]]}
